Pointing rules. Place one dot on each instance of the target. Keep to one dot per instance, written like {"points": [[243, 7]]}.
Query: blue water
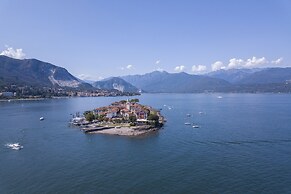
{"points": [[243, 145]]}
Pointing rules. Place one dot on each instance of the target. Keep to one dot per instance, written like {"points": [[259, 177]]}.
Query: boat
{"points": [[188, 115], [14, 146], [187, 123], [195, 126], [219, 97], [41, 118]]}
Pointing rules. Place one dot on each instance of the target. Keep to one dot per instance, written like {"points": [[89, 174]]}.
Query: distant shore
{"points": [[22, 99], [32, 99], [51, 97]]}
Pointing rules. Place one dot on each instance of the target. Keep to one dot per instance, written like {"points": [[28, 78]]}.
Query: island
{"points": [[126, 117]]}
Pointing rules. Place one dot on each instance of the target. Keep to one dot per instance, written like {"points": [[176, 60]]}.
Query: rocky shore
{"points": [[126, 131]]}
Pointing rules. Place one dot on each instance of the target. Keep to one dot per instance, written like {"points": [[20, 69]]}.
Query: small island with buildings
{"points": [[126, 117]]}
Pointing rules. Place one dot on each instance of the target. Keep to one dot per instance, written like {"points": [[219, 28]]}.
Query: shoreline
{"points": [[125, 131], [23, 99], [31, 99], [53, 97], [122, 131], [64, 97]]}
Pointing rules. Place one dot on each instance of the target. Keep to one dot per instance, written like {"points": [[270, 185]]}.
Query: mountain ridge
{"points": [[274, 79], [36, 73], [33, 72], [115, 83], [175, 82], [232, 75]]}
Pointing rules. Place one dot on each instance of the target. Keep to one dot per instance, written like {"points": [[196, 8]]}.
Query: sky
{"points": [[95, 39]]}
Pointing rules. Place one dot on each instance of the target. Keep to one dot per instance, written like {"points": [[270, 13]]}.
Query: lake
{"points": [[243, 145]]}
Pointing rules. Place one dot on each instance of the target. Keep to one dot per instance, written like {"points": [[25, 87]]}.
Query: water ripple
{"points": [[276, 141]]}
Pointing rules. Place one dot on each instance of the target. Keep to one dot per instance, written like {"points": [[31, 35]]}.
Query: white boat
{"points": [[14, 146], [195, 126], [219, 97], [187, 123], [41, 118]]}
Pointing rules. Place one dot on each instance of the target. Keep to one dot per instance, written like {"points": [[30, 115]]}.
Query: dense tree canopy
{"points": [[89, 115]]}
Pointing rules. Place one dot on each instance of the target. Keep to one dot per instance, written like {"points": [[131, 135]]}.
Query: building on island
{"points": [[124, 110]]}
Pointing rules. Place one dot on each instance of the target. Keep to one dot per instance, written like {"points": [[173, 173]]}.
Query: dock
{"points": [[96, 129]]}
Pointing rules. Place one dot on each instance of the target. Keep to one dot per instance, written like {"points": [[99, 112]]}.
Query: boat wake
{"points": [[14, 146]]}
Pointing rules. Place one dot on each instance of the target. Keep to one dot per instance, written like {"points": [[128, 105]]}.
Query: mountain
{"points": [[232, 75], [256, 80], [176, 82], [254, 76], [33, 72], [87, 81], [142, 81], [115, 83], [268, 76]]}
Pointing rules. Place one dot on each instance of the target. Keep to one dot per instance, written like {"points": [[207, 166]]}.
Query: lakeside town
{"points": [[126, 117], [28, 92]]}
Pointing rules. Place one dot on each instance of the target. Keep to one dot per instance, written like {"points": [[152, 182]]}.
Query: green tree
{"points": [[101, 117], [89, 115], [154, 118], [132, 118], [134, 100]]}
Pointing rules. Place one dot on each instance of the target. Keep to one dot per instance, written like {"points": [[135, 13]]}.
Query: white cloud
{"points": [[89, 77], [255, 62], [180, 68], [217, 66], [199, 68], [129, 67], [235, 63], [158, 62], [278, 61], [16, 54], [82, 76]]}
